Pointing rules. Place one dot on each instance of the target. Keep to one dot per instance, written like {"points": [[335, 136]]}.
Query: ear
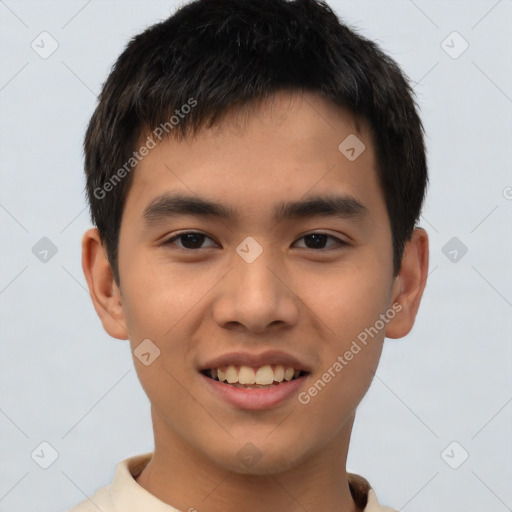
{"points": [[105, 294], [409, 284]]}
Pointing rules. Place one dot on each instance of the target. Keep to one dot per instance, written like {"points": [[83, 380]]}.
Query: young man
{"points": [[255, 171]]}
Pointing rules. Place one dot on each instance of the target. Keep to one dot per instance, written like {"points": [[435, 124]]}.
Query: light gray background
{"points": [[64, 381]]}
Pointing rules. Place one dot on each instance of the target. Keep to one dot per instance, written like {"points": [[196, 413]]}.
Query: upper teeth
{"points": [[263, 375]]}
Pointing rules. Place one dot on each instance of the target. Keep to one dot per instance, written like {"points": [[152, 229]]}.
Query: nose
{"points": [[256, 296]]}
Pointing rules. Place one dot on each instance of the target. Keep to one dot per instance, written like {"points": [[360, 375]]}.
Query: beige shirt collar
{"points": [[124, 494]]}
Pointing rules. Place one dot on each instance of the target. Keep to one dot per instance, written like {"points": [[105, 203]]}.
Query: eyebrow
{"points": [[171, 205]]}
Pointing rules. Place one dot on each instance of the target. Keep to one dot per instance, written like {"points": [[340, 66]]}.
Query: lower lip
{"points": [[255, 399]]}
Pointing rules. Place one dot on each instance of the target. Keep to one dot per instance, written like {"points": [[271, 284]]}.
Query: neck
{"points": [[184, 478]]}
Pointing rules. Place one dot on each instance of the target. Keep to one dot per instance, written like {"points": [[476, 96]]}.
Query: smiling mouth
{"points": [[248, 377]]}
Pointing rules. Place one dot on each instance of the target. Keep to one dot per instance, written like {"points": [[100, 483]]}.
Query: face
{"points": [[310, 289]]}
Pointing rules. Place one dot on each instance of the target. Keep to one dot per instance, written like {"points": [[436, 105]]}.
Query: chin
{"points": [[261, 458]]}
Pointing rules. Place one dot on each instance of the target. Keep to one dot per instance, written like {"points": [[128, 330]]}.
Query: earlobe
{"points": [[409, 284], [105, 294]]}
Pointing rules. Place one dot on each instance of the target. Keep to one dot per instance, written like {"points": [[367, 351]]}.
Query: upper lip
{"points": [[256, 360]]}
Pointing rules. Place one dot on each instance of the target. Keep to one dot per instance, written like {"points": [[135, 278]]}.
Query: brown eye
{"points": [[318, 241], [190, 240]]}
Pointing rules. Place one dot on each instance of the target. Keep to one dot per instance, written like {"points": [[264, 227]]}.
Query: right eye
{"points": [[190, 240]]}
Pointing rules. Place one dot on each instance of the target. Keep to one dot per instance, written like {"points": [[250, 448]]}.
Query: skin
{"points": [[309, 302]]}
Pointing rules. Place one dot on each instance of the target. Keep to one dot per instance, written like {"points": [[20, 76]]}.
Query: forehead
{"points": [[288, 147]]}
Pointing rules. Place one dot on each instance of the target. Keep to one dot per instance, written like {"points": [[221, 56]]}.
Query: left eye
{"points": [[318, 239], [193, 240]]}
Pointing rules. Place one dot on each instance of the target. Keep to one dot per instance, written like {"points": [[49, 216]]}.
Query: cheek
{"points": [[154, 316], [159, 303], [352, 310], [332, 397], [159, 295], [349, 298], [351, 306]]}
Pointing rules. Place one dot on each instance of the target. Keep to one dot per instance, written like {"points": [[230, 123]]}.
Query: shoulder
{"points": [[373, 504], [364, 496], [123, 492], [101, 500]]}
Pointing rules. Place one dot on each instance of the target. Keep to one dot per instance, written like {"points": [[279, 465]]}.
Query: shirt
{"points": [[124, 494]]}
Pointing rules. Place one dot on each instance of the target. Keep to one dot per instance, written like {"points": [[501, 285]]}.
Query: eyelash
{"points": [[341, 244]]}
